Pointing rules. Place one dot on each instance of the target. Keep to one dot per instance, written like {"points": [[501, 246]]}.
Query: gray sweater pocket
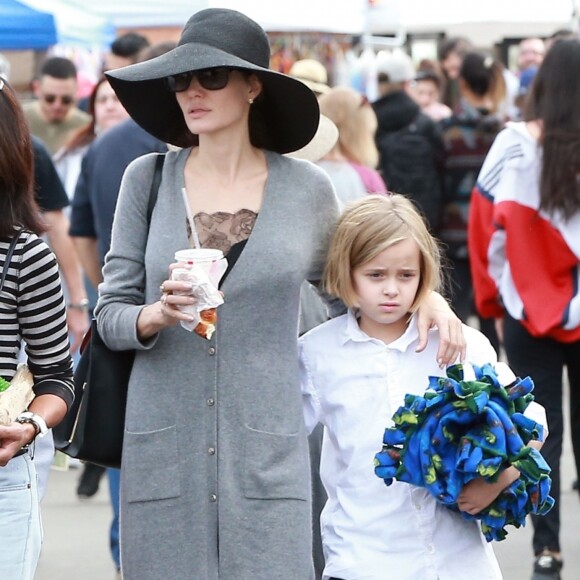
{"points": [[271, 464], [151, 465]]}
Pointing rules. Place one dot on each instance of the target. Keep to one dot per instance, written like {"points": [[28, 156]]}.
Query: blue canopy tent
{"points": [[78, 25], [23, 28]]}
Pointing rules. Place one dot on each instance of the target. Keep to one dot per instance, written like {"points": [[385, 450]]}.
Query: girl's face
{"points": [[108, 109], [386, 288], [427, 93], [211, 111]]}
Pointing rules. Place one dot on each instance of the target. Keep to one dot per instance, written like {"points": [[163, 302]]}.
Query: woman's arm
{"points": [[45, 337]]}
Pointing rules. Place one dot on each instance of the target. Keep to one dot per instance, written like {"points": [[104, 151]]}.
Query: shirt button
{"points": [[418, 507], [211, 350], [431, 548], [213, 498], [210, 402], [211, 450]]}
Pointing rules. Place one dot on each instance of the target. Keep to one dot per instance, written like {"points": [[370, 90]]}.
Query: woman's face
{"points": [[452, 65], [108, 109], [211, 111]]}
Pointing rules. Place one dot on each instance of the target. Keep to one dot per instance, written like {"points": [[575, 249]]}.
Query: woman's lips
{"points": [[198, 112]]}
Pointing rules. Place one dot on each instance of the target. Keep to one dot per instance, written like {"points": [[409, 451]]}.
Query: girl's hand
{"points": [[479, 493], [436, 312]]}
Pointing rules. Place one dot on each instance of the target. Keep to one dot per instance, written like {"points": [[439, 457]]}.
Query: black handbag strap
{"points": [[9, 255], [153, 194], [155, 183]]}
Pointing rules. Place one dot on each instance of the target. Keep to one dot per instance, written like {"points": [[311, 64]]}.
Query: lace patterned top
{"points": [[222, 230]]}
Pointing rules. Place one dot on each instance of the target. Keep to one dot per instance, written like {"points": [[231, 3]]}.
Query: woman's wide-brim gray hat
{"points": [[218, 37]]}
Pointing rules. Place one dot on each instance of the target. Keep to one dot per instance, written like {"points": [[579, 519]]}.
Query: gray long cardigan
{"points": [[215, 477]]}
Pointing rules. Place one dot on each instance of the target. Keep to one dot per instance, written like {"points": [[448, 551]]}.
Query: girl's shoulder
{"points": [[325, 335], [479, 350]]}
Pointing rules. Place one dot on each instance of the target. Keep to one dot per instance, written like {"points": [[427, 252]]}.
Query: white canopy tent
{"points": [[484, 22], [295, 15]]}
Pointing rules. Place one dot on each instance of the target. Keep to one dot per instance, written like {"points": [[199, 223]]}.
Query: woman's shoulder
{"points": [[139, 172], [32, 244], [513, 148], [30, 251], [300, 169], [515, 134]]}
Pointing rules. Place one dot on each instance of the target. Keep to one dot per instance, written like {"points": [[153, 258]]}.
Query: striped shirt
{"points": [[32, 309]]}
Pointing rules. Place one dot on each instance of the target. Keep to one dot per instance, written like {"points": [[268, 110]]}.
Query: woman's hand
{"points": [[165, 312], [499, 329], [436, 312], [13, 438]]}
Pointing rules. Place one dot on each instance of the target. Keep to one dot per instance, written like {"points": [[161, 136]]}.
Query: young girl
{"points": [[355, 371]]}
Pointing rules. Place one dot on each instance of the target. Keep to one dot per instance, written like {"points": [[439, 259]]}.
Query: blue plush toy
{"points": [[463, 429]]}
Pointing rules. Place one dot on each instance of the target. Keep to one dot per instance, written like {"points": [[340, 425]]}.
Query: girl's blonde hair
{"points": [[357, 124], [368, 227]]}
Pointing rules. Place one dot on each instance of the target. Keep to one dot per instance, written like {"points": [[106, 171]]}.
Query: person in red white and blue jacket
{"points": [[524, 247]]}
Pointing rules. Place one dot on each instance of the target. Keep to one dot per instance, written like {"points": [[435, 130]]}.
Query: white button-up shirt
{"points": [[353, 384]]}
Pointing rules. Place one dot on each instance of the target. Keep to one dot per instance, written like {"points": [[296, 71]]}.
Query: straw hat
{"points": [[321, 144], [311, 73], [287, 109]]}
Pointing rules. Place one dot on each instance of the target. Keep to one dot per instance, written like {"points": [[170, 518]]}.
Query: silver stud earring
{"points": [[251, 101]]}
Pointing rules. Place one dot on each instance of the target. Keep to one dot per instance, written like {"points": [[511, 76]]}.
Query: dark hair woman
{"points": [[215, 441], [31, 309], [467, 136], [525, 256]]}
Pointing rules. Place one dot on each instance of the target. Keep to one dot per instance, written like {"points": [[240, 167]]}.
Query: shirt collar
{"points": [[352, 332]]}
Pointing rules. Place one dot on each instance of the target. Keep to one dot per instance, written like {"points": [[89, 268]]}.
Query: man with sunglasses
{"points": [[53, 116]]}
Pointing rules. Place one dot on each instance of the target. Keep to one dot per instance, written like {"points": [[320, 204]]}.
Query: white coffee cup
{"points": [[204, 268], [212, 262]]}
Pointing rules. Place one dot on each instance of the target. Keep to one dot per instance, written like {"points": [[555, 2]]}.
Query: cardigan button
{"points": [[211, 450], [210, 402], [213, 498], [211, 350]]}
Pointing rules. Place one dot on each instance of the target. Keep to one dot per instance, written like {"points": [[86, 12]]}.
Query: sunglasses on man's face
{"points": [[64, 99], [212, 79]]}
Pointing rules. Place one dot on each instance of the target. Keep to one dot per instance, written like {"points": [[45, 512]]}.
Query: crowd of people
{"points": [[452, 199]]}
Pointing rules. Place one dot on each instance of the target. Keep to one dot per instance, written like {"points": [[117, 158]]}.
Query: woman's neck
{"points": [[222, 178], [227, 156], [535, 129], [478, 101]]}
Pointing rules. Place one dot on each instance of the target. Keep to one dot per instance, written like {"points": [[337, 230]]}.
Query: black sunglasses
{"points": [[64, 99], [212, 79]]}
